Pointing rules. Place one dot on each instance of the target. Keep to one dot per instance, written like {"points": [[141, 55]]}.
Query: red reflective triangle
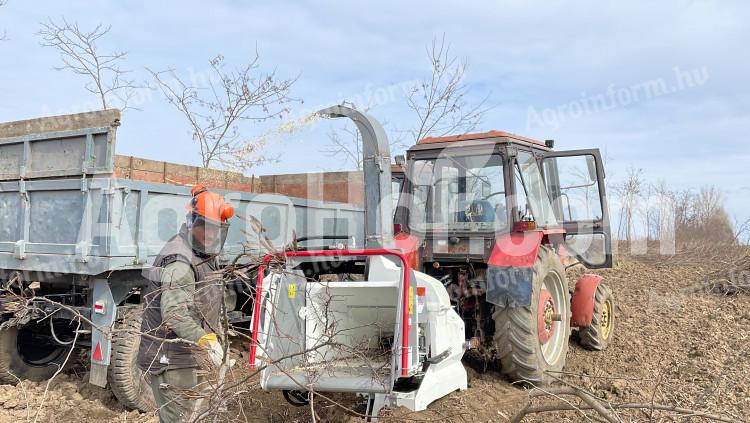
{"points": [[98, 356]]}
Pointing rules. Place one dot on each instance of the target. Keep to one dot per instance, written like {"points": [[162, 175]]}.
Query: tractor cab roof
{"points": [[494, 137]]}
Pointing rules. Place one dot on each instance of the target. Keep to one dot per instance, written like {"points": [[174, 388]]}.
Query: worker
{"points": [[181, 320]]}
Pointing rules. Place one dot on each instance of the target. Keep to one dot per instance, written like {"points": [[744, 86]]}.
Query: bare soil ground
{"points": [[674, 345]]}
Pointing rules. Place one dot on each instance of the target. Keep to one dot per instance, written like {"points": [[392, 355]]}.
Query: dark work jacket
{"points": [[154, 355]]}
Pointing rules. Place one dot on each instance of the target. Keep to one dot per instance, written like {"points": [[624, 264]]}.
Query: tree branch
{"points": [[216, 111], [80, 54], [440, 102], [605, 411]]}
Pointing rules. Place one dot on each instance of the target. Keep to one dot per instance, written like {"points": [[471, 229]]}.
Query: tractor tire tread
{"points": [[590, 336], [515, 340], [125, 379]]}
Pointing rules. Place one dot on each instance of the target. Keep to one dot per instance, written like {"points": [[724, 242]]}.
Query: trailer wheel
{"points": [[599, 333], [531, 340], [126, 380], [24, 357]]}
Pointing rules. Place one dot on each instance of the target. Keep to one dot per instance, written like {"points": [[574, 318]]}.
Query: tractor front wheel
{"points": [[598, 334], [533, 339]]}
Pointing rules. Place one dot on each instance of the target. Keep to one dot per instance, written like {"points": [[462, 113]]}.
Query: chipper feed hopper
{"points": [[358, 320]]}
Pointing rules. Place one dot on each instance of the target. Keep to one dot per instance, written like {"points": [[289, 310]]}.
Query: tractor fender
{"points": [[516, 249], [582, 301], [510, 268]]}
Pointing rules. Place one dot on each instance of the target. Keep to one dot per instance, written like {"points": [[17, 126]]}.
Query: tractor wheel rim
{"points": [[606, 319], [553, 348], [546, 311]]}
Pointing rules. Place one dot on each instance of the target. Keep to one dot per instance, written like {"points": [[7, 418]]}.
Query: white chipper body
{"points": [[360, 336]]}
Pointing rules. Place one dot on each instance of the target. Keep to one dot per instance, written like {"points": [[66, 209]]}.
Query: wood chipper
{"points": [[475, 260], [348, 319]]}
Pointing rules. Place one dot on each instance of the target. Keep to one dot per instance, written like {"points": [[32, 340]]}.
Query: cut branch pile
{"points": [[734, 279], [607, 412]]}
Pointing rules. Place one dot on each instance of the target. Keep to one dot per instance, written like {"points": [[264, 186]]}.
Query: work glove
{"points": [[211, 343]]}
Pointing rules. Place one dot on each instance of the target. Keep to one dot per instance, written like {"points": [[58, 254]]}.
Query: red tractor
{"points": [[496, 217]]}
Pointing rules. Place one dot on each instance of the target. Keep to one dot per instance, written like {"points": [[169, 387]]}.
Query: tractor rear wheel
{"points": [[533, 339], [598, 334], [126, 380]]}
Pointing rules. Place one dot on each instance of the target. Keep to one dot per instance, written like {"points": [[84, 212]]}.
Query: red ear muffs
{"points": [[227, 212], [209, 204]]}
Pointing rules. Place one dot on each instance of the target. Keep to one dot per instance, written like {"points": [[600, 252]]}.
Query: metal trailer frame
{"points": [[117, 232]]}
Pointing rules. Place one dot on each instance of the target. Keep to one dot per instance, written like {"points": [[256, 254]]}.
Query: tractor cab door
{"points": [[575, 182]]}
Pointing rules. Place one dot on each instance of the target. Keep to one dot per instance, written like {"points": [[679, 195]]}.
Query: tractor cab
{"points": [[496, 217], [462, 192]]}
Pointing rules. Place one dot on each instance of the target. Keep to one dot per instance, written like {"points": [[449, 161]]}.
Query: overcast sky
{"points": [[661, 86]]}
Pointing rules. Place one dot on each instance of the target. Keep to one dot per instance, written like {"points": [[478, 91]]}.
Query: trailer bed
{"points": [[69, 205]]}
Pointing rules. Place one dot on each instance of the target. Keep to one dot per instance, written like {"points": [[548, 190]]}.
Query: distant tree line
{"points": [[656, 211]]}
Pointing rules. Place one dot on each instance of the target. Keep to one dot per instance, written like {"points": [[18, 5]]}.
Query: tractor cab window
{"points": [[532, 199], [576, 188], [459, 193]]}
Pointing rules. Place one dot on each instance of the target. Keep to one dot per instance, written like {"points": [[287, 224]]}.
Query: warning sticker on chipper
{"points": [[411, 300], [291, 290]]}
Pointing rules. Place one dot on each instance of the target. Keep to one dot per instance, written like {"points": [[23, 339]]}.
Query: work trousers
{"points": [[177, 394]]}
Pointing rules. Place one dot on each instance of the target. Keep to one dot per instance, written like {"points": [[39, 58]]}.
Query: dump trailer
{"points": [[78, 228]]}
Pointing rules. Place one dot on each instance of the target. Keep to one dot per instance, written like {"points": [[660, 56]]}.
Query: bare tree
{"points": [[215, 112], [629, 192], [346, 145], [80, 54], [441, 101], [742, 231], [3, 33], [662, 212], [708, 202], [701, 217]]}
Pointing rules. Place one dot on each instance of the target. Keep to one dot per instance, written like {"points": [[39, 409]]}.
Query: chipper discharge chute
{"points": [[341, 319]]}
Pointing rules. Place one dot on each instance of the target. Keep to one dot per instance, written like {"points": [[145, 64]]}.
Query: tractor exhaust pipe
{"points": [[376, 163]]}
